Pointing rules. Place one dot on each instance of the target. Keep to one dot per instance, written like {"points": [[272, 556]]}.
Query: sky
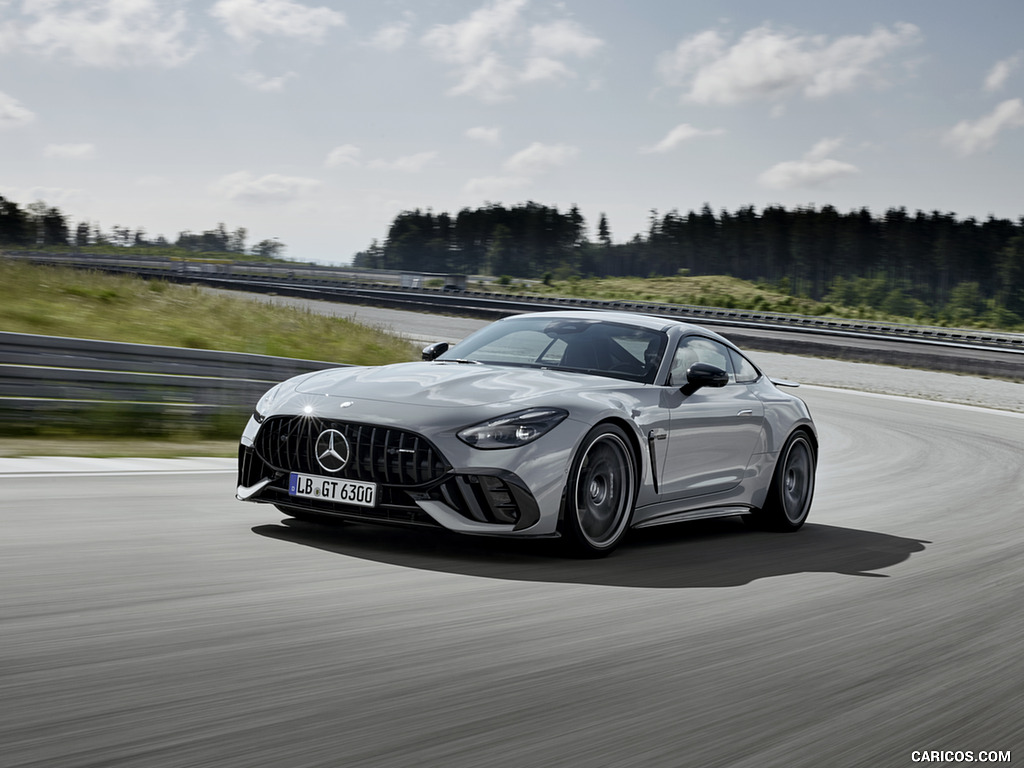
{"points": [[316, 123]]}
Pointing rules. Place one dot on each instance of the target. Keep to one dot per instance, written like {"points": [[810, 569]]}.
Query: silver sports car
{"points": [[578, 425]]}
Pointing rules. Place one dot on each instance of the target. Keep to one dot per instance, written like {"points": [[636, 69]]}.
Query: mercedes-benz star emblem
{"points": [[332, 450]]}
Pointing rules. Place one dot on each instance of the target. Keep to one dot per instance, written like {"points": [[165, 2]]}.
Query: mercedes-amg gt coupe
{"points": [[579, 425]]}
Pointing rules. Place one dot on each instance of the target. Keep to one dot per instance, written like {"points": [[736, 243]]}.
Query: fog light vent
{"points": [[500, 501]]}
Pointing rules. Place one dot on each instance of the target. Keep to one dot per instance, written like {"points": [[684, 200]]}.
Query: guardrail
{"points": [[952, 350], [342, 284], [50, 382], [950, 355]]}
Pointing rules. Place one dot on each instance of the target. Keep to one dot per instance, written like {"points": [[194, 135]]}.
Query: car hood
{"points": [[445, 384]]}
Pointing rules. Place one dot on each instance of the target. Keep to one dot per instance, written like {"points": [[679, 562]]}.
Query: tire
{"points": [[600, 494], [792, 489]]}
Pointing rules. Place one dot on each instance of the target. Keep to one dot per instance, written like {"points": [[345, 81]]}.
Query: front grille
{"points": [[376, 454]]}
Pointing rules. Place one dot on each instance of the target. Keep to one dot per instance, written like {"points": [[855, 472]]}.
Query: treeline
{"points": [[912, 263], [933, 266], [39, 225], [524, 241]]}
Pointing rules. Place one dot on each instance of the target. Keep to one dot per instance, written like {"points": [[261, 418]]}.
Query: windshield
{"points": [[583, 345]]}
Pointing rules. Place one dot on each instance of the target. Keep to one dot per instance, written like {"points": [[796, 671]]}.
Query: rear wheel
{"points": [[601, 492], [792, 489]]}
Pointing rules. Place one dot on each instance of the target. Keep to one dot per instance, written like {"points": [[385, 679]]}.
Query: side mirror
{"points": [[435, 350], [703, 375]]}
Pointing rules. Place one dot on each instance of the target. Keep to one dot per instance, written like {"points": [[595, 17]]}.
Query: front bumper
{"points": [[417, 484]]}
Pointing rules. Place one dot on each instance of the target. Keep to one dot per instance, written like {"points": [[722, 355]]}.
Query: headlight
{"points": [[264, 404], [513, 430]]}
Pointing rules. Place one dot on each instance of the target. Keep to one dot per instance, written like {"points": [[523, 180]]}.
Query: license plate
{"points": [[333, 489]]}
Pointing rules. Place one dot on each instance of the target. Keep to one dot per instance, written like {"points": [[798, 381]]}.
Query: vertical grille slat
{"points": [[389, 454], [358, 468], [375, 470], [376, 454], [416, 474], [402, 462]]}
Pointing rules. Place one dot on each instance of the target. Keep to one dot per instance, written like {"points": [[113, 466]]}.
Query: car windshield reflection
{"points": [[595, 347]]}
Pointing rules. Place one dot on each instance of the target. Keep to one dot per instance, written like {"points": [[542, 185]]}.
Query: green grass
{"points": [[171, 252], [92, 305], [705, 291], [99, 448], [735, 294]]}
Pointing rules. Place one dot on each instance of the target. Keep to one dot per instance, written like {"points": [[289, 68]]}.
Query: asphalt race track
{"points": [[149, 619]]}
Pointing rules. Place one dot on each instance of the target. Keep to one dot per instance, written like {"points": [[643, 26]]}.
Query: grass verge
{"points": [[13, 448], [54, 301], [91, 305]]}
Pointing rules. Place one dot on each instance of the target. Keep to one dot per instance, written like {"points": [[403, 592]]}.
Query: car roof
{"points": [[650, 322]]}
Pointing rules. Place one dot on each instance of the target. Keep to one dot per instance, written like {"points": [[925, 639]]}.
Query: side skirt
{"points": [[694, 514]]}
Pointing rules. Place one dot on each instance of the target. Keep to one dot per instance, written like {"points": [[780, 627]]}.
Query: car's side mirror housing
{"points": [[703, 375], [435, 350]]}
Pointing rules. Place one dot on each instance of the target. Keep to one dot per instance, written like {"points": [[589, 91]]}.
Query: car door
{"points": [[712, 432]]}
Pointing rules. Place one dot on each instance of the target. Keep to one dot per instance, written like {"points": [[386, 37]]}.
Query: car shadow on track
{"points": [[712, 553]]}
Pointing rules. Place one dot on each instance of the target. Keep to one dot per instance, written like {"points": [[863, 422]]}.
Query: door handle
{"points": [[746, 412]]}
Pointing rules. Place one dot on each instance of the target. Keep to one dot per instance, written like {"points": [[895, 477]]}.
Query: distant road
{"points": [[416, 326]]}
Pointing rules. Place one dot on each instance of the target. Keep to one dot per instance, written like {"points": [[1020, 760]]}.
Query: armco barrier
{"points": [[348, 285], [950, 353], [65, 381]]}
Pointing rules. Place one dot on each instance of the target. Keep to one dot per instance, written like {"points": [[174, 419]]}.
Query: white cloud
{"points": [[805, 173], [494, 49], [680, 134], [407, 164], [769, 64], [538, 158], [102, 33], [1002, 70], [70, 151], [968, 137], [823, 149], [351, 155], [260, 82], [539, 68], [815, 169], [563, 38], [484, 135], [248, 20], [491, 187], [346, 154], [13, 113], [391, 37], [470, 46], [244, 187], [469, 40]]}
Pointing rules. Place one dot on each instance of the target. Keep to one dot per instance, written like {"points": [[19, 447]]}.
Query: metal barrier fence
{"points": [[98, 386], [343, 284]]}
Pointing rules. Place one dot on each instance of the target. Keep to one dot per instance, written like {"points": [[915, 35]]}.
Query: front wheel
{"points": [[792, 488], [601, 492]]}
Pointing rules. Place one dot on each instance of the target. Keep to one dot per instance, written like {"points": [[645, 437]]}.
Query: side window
{"points": [[746, 372], [697, 349]]}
